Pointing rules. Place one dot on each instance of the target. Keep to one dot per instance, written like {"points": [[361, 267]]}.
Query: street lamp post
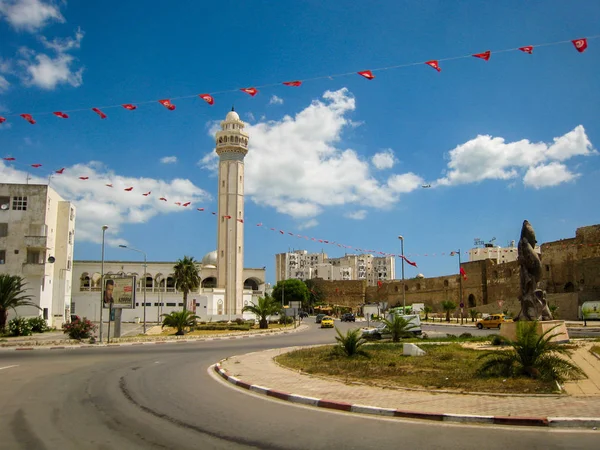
{"points": [[145, 269], [460, 280], [403, 288], [104, 228]]}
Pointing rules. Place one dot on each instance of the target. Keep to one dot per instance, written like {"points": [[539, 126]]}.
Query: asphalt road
{"points": [[163, 397]]}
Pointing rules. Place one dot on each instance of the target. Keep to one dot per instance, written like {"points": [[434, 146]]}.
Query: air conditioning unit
{"points": [[4, 206]]}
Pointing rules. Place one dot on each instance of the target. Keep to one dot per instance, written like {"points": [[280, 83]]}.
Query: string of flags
{"points": [[580, 44]]}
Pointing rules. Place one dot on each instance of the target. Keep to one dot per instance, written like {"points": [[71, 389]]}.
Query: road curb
{"points": [[554, 422], [125, 344]]}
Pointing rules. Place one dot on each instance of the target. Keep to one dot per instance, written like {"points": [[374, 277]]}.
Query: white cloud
{"points": [[275, 100], [294, 165], [308, 224], [63, 45], [4, 84], [546, 175], [98, 204], [168, 159], [250, 117], [487, 157], [30, 15], [357, 215], [384, 160]]}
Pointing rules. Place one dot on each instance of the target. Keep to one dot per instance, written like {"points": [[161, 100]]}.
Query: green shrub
{"points": [[215, 327], [38, 324], [79, 329], [498, 340], [465, 335], [19, 326], [284, 320]]}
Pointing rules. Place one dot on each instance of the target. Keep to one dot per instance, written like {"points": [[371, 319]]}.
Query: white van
{"points": [[414, 319]]}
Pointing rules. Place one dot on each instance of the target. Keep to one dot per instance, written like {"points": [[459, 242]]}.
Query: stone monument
{"points": [[534, 306]]}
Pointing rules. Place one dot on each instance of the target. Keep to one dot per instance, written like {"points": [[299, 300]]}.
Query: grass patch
{"points": [[447, 367], [596, 349]]}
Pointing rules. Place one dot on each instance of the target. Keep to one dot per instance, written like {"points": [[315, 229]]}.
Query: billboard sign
{"points": [[119, 291]]}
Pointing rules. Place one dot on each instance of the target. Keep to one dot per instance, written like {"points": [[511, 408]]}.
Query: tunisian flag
{"points": [[167, 104], [463, 273], [580, 44], [207, 98], [434, 63]]}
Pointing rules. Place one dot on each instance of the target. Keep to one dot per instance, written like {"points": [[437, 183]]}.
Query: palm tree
{"points": [[266, 306], [186, 277], [12, 295], [532, 355], [350, 343], [448, 307], [180, 320], [473, 313], [399, 327], [427, 310]]}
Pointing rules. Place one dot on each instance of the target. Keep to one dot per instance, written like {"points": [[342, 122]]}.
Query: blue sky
{"points": [[341, 159]]}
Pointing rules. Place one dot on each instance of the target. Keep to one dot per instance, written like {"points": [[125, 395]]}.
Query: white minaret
{"points": [[232, 147]]}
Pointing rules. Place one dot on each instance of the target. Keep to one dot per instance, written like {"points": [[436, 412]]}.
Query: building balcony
{"points": [[34, 269], [36, 241]]}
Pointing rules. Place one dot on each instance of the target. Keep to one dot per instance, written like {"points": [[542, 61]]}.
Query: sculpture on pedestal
{"points": [[533, 300]]}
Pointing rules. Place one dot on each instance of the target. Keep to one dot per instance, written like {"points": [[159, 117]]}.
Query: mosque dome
{"points": [[420, 275], [210, 259], [231, 116]]}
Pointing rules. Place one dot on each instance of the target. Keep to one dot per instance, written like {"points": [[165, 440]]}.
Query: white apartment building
{"points": [[303, 265], [499, 254], [37, 231]]}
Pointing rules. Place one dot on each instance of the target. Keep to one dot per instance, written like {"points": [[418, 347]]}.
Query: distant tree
{"points": [[448, 306], [265, 307], [316, 296], [473, 313], [12, 295], [186, 277], [291, 290], [427, 310]]}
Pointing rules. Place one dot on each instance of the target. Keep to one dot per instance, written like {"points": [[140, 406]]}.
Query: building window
{"points": [[33, 256], [2, 256], [4, 203], [171, 304], [19, 204], [70, 237], [445, 283], [72, 215], [68, 264], [3, 229], [547, 268]]}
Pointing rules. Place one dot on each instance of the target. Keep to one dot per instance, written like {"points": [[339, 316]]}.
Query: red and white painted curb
{"points": [[572, 422], [171, 341]]}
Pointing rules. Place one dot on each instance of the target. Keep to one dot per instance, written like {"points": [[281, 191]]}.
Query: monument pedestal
{"points": [[509, 330]]}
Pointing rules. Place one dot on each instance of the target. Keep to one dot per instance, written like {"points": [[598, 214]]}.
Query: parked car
{"points": [[493, 321], [327, 322], [348, 317], [319, 317]]}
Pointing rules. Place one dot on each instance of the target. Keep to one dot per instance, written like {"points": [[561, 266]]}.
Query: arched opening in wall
{"points": [[446, 283], [418, 286], [569, 287], [396, 288], [149, 282], [472, 302], [159, 282], [170, 283], [251, 283], [96, 281], [209, 283], [405, 288], [84, 284]]}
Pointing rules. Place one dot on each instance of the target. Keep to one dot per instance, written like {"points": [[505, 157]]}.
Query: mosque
{"points": [[226, 286]]}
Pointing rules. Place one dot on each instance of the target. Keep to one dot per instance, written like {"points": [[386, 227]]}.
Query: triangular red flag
{"points": [[259, 224], [147, 194], [109, 185], [367, 74], [240, 220], [84, 178], [412, 263], [129, 189], [167, 104], [28, 118], [187, 203], [434, 63], [60, 171], [62, 115], [207, 98], [129, 106], [292, 83], [178, 203], [200, 209], [485, 55], [227, 217], [527, 49], [163, 199], [580, 44], [463, 273], [100, 113], [2, 119], [282, 232], [250, 91], [379, 283], [36, 165], [10, 158]]}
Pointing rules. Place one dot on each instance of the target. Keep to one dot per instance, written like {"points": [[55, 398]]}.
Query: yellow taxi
{"points": [[327, 322], [493, 321]]}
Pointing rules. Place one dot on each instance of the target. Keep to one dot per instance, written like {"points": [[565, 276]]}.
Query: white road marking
{"points": [[8, 367]]}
